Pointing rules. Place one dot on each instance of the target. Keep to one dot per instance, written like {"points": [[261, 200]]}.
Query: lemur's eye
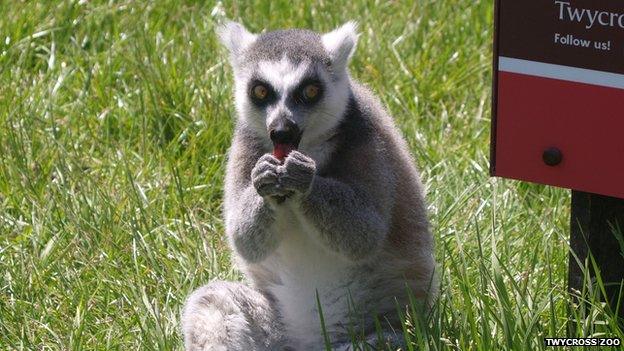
{"points": [[311, 92], [260, 92]]}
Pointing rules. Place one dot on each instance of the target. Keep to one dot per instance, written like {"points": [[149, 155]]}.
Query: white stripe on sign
{"points": [[572, 74]]}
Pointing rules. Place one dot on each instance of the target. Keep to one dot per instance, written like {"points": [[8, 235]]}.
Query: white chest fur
{"points": [[305, 268]]}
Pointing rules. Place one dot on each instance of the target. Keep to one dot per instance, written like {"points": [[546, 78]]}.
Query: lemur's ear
{"points": [[340, 44], [236, 38]]}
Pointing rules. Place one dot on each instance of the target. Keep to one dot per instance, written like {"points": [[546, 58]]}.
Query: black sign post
{"points": [[597, 227]]}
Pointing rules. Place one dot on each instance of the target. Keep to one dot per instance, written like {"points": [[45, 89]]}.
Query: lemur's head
{"points": [[292, 86]]}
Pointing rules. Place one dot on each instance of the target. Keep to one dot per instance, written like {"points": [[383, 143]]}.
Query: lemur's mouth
{"points": [[285, 138], [282, 149]]}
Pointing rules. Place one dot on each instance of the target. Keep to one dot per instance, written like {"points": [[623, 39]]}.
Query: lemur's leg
{"points": [[230, 316]]}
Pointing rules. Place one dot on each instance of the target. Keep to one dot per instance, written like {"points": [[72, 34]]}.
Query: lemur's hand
{"points": [[297, 173], [265, 177]]}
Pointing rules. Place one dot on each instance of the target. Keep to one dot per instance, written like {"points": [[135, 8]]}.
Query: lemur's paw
{"points": [[265, 178], [297, 173]]}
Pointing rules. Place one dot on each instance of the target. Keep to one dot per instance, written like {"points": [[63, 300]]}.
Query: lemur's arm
{"points": [[346, 221], [249, 210], [247, 225], [349, 220]]}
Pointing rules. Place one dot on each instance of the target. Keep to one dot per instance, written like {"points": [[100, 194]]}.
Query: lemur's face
{"points": [[292, 86]]}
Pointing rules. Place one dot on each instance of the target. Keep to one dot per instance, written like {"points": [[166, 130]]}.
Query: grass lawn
{"points": [[115, 117]]}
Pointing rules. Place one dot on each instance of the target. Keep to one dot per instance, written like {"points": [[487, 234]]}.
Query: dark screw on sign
{"points": [[552, 156]]}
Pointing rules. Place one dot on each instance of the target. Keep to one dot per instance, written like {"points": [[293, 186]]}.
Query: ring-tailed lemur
{"points": [[323, 204]]}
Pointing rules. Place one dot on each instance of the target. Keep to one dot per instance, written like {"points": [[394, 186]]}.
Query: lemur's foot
{"points": [[224, 316]]}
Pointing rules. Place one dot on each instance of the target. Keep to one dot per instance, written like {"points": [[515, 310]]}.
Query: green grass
{"points": [[115, 117]]}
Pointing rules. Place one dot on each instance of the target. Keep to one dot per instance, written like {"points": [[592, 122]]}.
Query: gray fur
{"points": [[343, 218], [296, 44], [297, 174], [246, 320]]}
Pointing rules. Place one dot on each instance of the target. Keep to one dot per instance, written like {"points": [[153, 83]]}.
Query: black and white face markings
{"points": [[305, 94], [293, 75]]}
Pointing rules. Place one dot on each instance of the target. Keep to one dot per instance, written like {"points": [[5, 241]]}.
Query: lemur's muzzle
{"points": [[285, 135]]}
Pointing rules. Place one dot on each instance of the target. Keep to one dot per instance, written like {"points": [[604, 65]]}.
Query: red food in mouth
{"points": [[280, 151]]}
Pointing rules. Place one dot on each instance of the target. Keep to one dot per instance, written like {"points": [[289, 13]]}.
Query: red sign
{"points": [[558, 104]]}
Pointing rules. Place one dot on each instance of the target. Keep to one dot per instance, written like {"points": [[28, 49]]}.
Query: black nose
{"points": [[281, 136], [284, 132]]}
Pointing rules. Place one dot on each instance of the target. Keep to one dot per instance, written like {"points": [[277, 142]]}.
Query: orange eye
{"points": [[311, 91], [260, 92]]}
